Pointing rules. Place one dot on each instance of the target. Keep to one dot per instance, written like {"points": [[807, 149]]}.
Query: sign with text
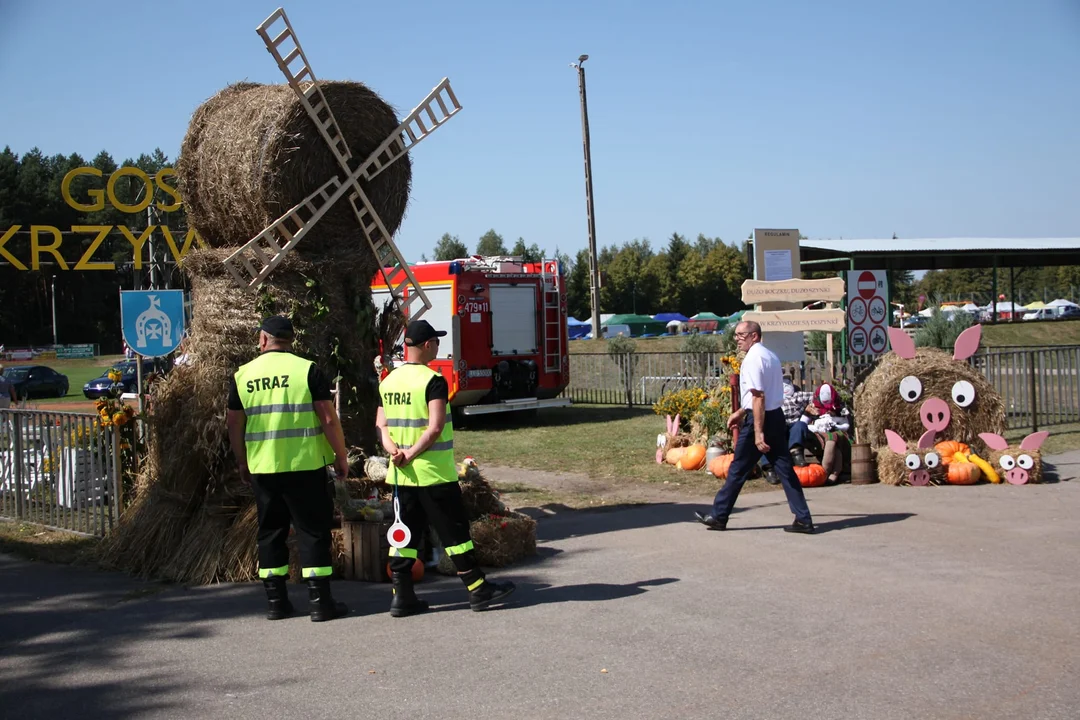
{"points": [[793, 291], [776, 259], [152, 320], [868, 312], [798, 320], [79, 193], [75, 351]]}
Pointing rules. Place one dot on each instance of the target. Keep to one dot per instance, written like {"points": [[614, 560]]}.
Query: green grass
{"points": [[35, 542], [79, 372], [600, 441], [1032, 333], [1063, 438]]}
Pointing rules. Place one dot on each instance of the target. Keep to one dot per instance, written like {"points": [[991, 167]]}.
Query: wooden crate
{"points": [[365, 551]]}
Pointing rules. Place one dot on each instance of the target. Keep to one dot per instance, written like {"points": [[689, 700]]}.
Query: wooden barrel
{"points": [[862, 465]]}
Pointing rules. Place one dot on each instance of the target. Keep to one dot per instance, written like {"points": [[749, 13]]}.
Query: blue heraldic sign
{"points": [[153, 320]]}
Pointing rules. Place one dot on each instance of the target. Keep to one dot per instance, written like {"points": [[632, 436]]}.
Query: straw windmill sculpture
{"points": [[257, 258]]}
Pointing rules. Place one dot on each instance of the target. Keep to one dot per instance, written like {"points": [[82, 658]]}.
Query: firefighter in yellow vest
{"points": [[416, 431], [284, 431]]}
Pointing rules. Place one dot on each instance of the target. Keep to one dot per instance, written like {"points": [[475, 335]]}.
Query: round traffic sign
{"points": [[877, 310], [857, 311], [879, 339], [867, 284], [857, 341]]}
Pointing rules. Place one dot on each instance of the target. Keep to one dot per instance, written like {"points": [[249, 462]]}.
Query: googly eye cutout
{"points": [[1025, 462], [913, 462], [963, 393], [932, 460], [1006, 462], [911, 388]]}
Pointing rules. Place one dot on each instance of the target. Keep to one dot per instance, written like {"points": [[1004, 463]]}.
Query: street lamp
{"points": [[594, 271]]}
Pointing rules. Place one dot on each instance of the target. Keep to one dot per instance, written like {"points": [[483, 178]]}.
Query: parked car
{"points": [[36, 381], [1068, 311], [1046, 313], [100, 386]]}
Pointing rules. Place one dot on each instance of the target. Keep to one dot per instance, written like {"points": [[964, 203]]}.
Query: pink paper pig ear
{"points": [[927, 440], [1034, 441], [902, 344], [967, 343], [896, 443], [994, 442]]}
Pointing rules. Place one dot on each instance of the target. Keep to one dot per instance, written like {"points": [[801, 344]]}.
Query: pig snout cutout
{"points": [[935, 415]]}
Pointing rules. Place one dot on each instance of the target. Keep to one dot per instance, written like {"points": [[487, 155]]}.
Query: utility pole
{"points": [[594, 270], [52, 287]]}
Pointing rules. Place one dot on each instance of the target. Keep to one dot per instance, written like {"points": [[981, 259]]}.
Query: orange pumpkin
{"points": [[810, 475], [674, 455], [692, 459], [417, 570], [720, 465], [947, 448], [963, 473]]}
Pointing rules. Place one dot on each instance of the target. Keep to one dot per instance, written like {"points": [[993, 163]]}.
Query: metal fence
{"points": [[59, 469], [1040, 387]]}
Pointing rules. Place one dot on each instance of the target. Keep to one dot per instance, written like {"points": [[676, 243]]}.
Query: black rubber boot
{"points": [[323, 605], [405, 602], [277, 596], [486, 593]]}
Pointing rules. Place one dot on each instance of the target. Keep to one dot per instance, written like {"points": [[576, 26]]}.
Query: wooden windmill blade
{"points": [[259, 256], [285, 49]]}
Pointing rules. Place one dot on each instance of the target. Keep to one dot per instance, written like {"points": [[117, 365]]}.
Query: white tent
{"points": [[1061, 303], [1007, 307], [970, 307]]}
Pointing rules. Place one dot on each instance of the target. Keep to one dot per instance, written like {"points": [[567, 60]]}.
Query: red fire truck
{"points": [[506, 343]]}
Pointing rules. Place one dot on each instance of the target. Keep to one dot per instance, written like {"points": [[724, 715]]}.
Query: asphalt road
{"points": [[936, 602]]}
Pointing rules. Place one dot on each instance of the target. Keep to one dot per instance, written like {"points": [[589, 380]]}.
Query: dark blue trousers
{"points": [[747, 455]]}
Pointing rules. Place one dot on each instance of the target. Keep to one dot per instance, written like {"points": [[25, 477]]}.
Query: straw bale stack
{"points": [[879, 406], [250, 154]]}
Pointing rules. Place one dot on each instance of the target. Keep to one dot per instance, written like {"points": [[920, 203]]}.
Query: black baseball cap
{"points": [[420, 331], [278, 326]]}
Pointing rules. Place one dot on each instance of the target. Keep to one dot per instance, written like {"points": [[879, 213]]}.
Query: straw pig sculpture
{"points": [[1020, 464], [913, 391]]}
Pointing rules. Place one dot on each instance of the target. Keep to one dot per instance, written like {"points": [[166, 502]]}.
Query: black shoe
{"points": [[405, 602], [771, 477], [489, 593], [798, 457], [800, 527], [323, 605], [711, 522], [277, 597]]}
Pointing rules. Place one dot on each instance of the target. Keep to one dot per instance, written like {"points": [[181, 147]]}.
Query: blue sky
{"points": [[852, 119]]}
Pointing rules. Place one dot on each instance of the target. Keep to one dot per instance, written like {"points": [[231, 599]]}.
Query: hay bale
{"points": [[879, 405], [892, 470], [502, 540], [192, 520], [251, 153], [1035, 473]]}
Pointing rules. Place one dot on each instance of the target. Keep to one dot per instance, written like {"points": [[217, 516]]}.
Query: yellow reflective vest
{"points": [[283, 433], [404, 399]]}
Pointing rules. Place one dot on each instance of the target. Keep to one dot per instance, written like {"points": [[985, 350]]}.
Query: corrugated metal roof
{"points": [[923, 245]]}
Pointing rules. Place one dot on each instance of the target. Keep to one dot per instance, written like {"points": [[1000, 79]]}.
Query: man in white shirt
{"points": [[762, 431]]}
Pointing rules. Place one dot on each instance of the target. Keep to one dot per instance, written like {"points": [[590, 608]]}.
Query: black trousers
{"points": [[303, 500], [441, 507], [747, 455]]}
